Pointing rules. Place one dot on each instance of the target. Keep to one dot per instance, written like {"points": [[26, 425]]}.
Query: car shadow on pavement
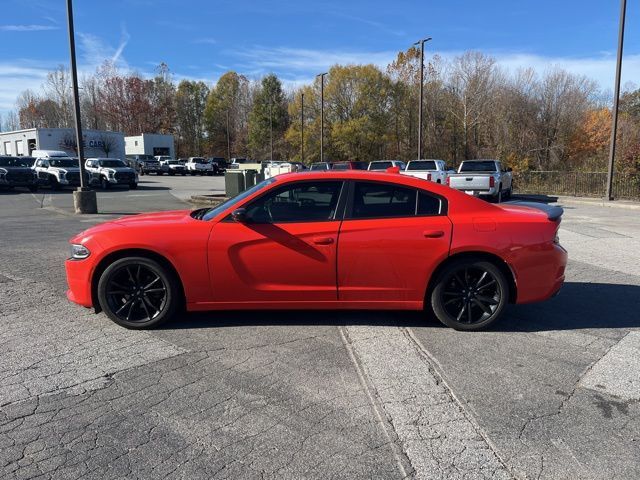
{"points": [[578, 306], [218, 319]]}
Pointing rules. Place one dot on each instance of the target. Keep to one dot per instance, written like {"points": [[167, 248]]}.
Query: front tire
{"points": [[138, 292], [469, 294], [104, 183]]}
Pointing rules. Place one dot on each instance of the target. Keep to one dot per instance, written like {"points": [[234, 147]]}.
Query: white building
{"points": [[150, 144], [97, 143]]}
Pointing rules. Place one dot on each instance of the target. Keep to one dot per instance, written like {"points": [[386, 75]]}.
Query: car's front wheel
{"points": [[138, 292], [469, 294]]}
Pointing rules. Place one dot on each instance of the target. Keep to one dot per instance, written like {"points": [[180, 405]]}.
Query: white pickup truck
{"points": [[482, 177], [198, 165], [431, 170]]}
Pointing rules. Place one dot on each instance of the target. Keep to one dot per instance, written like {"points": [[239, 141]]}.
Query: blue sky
{"points": [[202, 39]]}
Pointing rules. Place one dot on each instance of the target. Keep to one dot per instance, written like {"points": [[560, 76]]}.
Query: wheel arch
{"points": [[491, 257], [131, 252]]}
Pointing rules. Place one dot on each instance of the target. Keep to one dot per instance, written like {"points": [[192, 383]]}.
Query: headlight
{"points": [[79, 252]]}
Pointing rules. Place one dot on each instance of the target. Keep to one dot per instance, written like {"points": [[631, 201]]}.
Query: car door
{"points": [[42, 167], [285, 250], [391, 239]]}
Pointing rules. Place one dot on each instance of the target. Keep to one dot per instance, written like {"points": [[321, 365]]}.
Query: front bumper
{"points": [[79, 281]]}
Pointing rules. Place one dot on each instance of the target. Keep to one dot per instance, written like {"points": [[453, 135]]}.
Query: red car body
{"points": [[377, 263]]}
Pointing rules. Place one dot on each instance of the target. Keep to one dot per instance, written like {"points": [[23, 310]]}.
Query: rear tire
{"points": [[133, 186], [469, 294], [137, 292]]}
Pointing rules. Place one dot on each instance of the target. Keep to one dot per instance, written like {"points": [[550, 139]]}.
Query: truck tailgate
{"points": [[462, 181]]}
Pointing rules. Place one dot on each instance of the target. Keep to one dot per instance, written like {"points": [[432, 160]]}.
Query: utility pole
{"points": [[322, 75], [616, 100], [302, 128], [228, 141], [84, 199], [421, 43], [271, 126]]}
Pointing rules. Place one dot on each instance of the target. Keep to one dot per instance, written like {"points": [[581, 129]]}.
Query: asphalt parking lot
{"points": [[552, 391]]}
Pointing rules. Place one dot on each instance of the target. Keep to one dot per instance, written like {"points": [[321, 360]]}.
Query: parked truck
{"points": [[431, 170], [482, 177]]}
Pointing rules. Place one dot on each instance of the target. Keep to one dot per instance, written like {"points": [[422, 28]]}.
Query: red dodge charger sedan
{"points": [[324, 240]]}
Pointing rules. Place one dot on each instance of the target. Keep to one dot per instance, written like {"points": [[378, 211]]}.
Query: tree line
{"points": [[472, 109]]}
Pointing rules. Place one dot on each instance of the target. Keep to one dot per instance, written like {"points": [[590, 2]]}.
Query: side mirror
{"points": [[240, 215]]}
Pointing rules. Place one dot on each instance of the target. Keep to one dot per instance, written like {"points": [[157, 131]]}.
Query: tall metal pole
{"points": [[322, 75], [84, 199], [302, 128], [271, 126], [228, 141], [421, 43], [616, 99]]}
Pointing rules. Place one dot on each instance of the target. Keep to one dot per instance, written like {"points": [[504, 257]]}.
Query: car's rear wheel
{"points": [[469, 294], [138, 292]]}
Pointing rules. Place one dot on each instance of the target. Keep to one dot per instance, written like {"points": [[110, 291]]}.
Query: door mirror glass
{"points": [[240, 215]]}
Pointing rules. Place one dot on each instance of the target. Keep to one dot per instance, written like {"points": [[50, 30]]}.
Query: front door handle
{"points": [[323, 240], [433, 233]]}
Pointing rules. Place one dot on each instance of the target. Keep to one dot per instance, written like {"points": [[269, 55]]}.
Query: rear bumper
{"points": [[541, 274], [79, 281]]}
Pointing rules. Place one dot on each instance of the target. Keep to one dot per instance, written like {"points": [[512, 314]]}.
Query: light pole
{"points": [[421, 43], [302, 128], [616, 99], [228, 141], [84, 199], [322, 75], [271, 125]]}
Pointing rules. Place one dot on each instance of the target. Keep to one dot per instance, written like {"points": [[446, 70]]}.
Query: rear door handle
{"points": [[323, 240], [433, 233]]}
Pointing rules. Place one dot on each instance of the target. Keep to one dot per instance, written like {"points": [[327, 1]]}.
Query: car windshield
{"points": [[212, 212], [14, 162], [319, 166], [422, 165], [63, 162], [488, 166], [380, 165], [199, 160], [112, 163]]}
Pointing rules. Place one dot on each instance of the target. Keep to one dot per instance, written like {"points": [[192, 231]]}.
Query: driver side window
{"points": [[297, 202]]}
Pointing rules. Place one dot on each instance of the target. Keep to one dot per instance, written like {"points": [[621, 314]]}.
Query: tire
{"points": [[469, 294], [104, 183], [120, 297], [133, 186], [33, 188], [142, 172], [171, 174]]}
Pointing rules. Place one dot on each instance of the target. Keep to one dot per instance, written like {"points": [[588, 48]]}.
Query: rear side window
{"points": [[380, 200], [428, 204]]}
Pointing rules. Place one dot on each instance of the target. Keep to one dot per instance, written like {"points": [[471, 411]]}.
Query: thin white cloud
{"points": [[17, 76], [27, 28], [95, 51]]}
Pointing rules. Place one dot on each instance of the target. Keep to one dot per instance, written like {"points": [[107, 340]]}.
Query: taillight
{"points": [[448, 181], [492, 182], [429, 177]]}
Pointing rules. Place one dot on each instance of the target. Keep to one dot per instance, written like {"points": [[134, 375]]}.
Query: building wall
{"points": [[96, 142], [150, 144]]}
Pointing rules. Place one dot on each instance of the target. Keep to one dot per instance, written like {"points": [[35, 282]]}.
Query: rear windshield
{"points": [[63, 162], [380, 165], [488, 166], [15, 162], [422, 165], [112, 163], [340, 166], [319, 166], [199, 160]]}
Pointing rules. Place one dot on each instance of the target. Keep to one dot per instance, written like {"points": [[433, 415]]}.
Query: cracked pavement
{"points": [[550, 392]]}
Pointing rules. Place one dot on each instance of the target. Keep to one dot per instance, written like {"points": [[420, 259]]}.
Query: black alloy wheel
{"points": [[137, 292], [470, 294]]}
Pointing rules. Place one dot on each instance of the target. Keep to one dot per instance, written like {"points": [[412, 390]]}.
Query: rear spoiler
{"points": [[553, 211]]}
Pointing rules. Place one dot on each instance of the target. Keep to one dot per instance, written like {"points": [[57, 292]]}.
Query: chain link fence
{"points": [[577, 184]]}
